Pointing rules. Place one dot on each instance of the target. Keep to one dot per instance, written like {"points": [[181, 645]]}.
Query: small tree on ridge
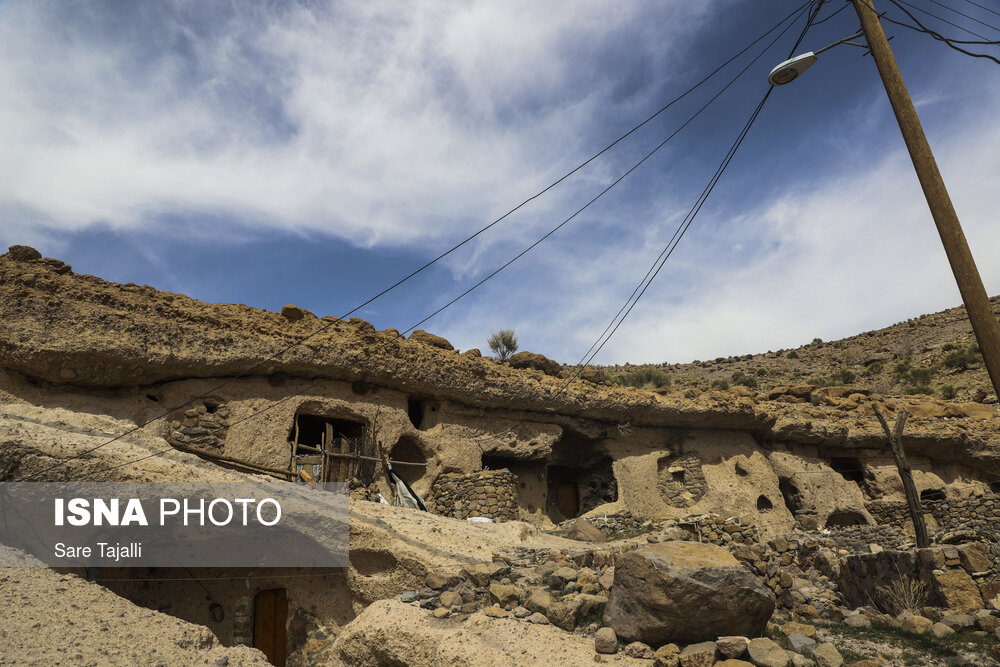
{"points": [[503, 343]]}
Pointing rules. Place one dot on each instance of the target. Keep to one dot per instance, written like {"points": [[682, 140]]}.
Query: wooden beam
{"points": [[909, 488]]}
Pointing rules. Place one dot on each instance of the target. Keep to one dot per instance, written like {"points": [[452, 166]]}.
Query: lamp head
{"points": [[789, 70]]}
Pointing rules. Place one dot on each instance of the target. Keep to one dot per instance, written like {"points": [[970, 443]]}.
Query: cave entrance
{"points": [[270, 616], [573, 491], [764, 504], [845, 519], [408, 460], [790, 494], [849, 468], [415, 411], [329, 449], [932, 494]]}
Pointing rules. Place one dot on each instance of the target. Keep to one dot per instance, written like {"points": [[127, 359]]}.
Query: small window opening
{"points": [[677, 476], [740, 470], [764, 504], [154, 399], [995, 486]]}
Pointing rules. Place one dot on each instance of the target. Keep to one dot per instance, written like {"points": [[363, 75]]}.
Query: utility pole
{"points": [[970, 284]]}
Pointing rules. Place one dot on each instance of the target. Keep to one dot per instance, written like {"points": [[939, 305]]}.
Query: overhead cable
{"points": [[278, 354]]}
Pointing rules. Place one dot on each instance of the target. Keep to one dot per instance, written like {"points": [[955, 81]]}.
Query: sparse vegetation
{"points": [[843, 377], [720, 384], [792, 354], [963, 358], [503, 343], [948, 391], [644, 378], [901, 594], [739, 377], [817, 341]]}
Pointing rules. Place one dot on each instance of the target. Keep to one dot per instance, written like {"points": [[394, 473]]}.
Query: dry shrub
{"points": [[901, 594]]}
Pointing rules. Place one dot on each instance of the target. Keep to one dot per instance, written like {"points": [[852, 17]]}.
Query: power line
{"points": [[605, 190], [982, 7], [686, 222], [661, 259], [971, 18], [845, 6], [921, 28], [277, 355], [940, 18]]}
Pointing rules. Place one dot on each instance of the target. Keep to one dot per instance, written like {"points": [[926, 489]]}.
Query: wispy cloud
{"points": [[379, 123]]}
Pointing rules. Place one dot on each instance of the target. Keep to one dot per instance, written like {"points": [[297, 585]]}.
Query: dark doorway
{"points": [[329, 449], [845, 519], [270, 615], [562, 483], [849, 468], [790, 493], [932, 494], [406, 451], [415, 410]]}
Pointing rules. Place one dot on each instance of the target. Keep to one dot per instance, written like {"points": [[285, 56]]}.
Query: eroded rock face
{"points": [[685, 592], [422, 336], [537, 362]]}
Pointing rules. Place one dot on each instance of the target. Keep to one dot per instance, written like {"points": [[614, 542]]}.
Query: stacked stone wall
{"points": [[970, 515], [202, 426], [489, 493], [681, 481]]}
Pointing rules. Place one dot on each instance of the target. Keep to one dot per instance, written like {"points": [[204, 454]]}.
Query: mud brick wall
{"points": [[489, 493]]}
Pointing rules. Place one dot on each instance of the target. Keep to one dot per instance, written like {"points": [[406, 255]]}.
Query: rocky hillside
{"points": [[932, 354]]}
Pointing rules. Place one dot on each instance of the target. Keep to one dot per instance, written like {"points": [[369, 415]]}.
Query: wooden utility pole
{"points": [[909, 488], [970, 284]]}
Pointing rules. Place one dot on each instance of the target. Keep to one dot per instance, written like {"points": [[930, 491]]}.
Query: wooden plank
{"points": [[909, 488], [269, 620]]}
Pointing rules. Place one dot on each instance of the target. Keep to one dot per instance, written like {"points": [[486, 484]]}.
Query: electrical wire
{"points": [[983, 7], [845, 6], [603, 192], [920, 27], [971, 18], [940, 18], [278, 354], [664, 255]]}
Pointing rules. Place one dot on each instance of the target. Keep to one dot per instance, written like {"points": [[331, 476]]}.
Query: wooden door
{"points": [[270, 614], [569, 504]]}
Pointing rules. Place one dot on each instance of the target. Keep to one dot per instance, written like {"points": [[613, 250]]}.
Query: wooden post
{"points": [[909, 488], [970, 284]]}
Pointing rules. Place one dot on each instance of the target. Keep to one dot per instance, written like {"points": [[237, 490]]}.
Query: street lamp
{"points": [[970, 284], [789, 70]]}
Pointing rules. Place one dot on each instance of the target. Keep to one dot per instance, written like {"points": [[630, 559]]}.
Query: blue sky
{"points": [[313, 153]]}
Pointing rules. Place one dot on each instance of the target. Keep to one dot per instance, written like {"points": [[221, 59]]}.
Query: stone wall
{"points": [[681, 481], [972, 516], [960, 577], [856, 538], [202, 426], [489, 493]]}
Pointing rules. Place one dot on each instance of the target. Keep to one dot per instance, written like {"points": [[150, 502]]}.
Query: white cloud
{"points": [[856, 252], [381, 123]]}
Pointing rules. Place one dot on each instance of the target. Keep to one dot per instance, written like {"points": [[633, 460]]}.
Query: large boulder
{"points": [[23, 253], [685, 592], [956, 590], [537, 362]]}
